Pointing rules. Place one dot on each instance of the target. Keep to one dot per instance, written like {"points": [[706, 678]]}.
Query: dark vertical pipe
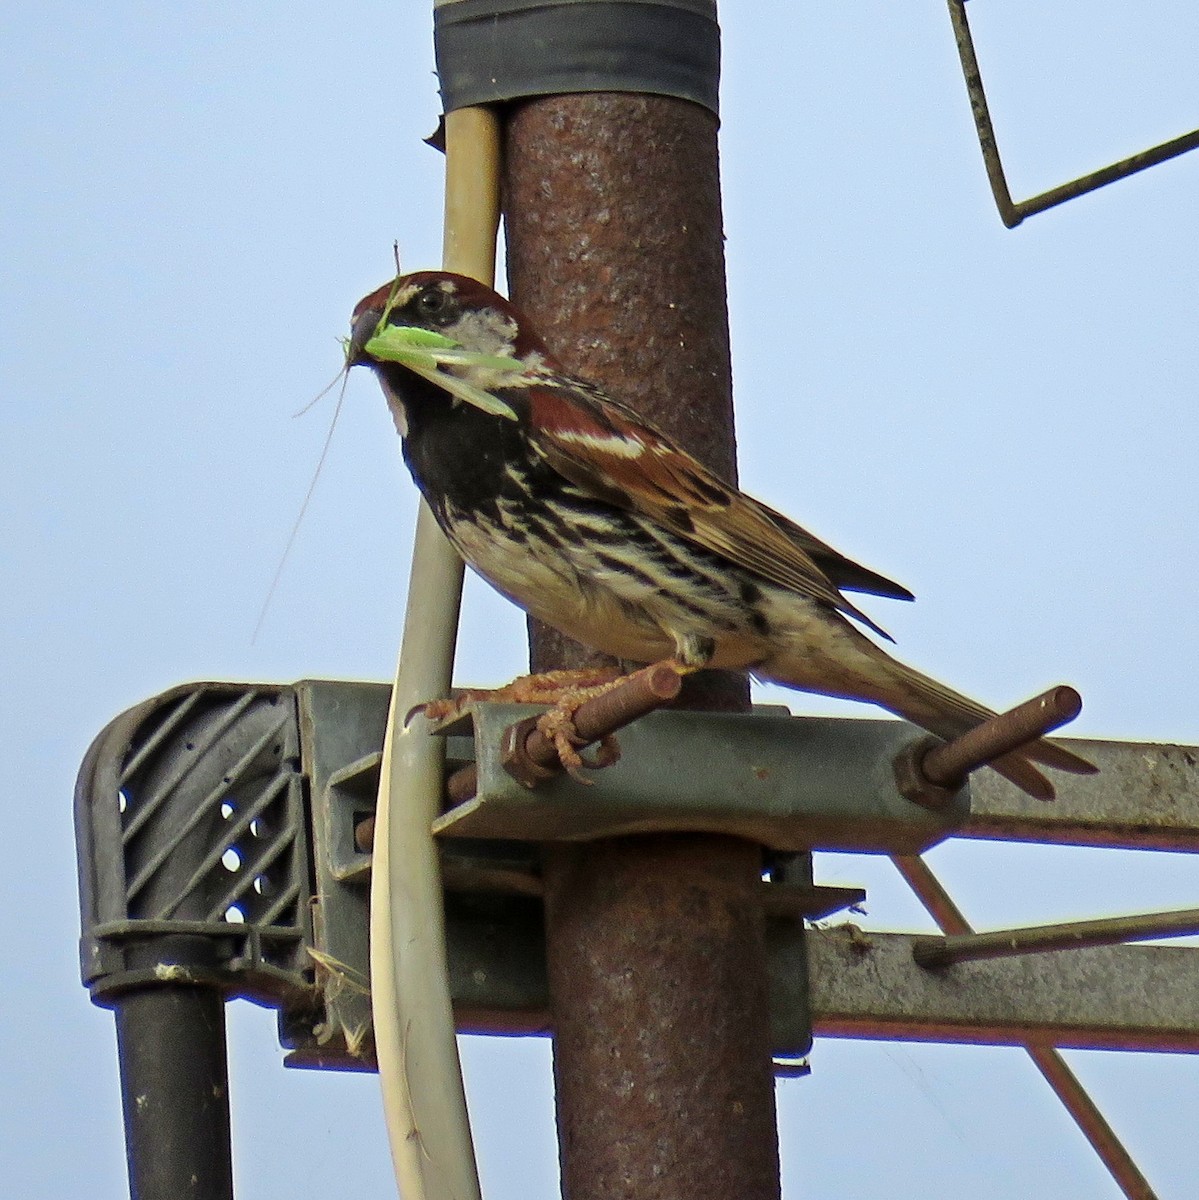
{"points": [[175, 1091], [655, 945]]}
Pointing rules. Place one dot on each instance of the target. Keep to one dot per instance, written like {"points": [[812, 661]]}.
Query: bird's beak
{"points": [[361, 332]]}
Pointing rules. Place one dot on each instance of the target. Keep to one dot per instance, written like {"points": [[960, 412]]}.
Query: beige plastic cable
{"points": [[423, 1099]]}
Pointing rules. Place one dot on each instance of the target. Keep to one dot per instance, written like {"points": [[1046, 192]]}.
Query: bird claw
{"points": [[557, 726], [451, 707], [607, 753]]}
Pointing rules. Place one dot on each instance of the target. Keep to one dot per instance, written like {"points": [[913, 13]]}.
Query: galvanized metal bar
{"points": [[1065, 1084], [1145, 998], [655, 945], [1072, 935], [1013, 212], [1145, 797], [792, 784]]}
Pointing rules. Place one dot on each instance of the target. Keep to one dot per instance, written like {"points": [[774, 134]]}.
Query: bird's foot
{"points": [[558, 726], [547, 687]]}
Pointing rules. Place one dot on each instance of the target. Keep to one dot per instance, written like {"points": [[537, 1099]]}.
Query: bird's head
{"points": [[450, 330]]}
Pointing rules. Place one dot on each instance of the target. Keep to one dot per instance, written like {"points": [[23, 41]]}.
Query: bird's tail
{"points": [[835, 659], [946, 713]]}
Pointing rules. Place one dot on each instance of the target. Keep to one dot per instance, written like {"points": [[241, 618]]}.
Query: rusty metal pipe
{"points": [[655, 945], [655, 983]]}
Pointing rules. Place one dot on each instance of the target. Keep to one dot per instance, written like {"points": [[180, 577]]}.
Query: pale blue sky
{"points": [[195, 197]]}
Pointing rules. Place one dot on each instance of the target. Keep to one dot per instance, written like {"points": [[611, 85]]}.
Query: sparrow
{"points": [[596, 522]]}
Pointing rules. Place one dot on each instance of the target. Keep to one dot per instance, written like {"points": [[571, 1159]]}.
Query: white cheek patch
{"points": [[485, 330]]}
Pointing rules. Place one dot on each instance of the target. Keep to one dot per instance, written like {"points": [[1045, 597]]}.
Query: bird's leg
{"points": [[547, 687]]}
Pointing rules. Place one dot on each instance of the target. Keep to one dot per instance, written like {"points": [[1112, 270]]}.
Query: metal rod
{"points": [[459, 788], [1013, 212], [527, 746], [1097, 179], [982, 117], [949, 764], [655, 945], [530, 756], [1145, 797], [1110, 931], [1049, 1061]]}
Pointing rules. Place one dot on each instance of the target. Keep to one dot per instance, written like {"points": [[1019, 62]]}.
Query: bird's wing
{"points": [[600, 444], [844, 572]]}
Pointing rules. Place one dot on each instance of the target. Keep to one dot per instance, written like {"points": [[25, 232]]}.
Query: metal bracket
{"points": [[789, 783], [1013, 212], [494, 921], [222, 841]]}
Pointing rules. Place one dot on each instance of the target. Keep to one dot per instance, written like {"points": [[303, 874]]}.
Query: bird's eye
{"points": [[435, 304]]}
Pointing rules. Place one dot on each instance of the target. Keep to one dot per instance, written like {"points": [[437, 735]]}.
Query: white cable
{"points": [[419, 1072]]}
